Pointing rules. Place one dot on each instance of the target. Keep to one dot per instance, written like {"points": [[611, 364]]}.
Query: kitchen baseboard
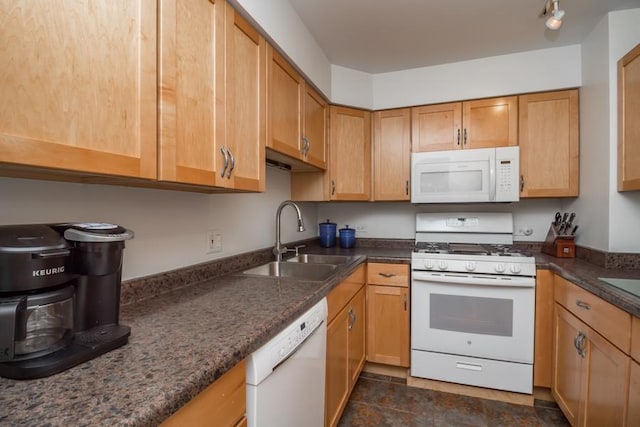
{"points": [[386, 370], [466, 390]]}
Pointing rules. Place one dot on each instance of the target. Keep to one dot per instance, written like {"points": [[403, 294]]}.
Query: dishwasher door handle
{"points": [[298, 347]]}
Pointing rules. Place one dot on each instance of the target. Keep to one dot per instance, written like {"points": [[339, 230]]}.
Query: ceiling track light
{"points": [[554, 21]]}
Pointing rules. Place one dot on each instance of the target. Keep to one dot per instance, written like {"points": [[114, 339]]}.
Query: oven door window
{"points": [[475, 315]]}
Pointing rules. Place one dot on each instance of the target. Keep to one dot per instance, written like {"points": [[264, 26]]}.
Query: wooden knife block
{"points": [[559, 245]]}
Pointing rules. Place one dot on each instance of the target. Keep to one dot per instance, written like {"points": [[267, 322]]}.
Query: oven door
{"points": [[483, 316]]}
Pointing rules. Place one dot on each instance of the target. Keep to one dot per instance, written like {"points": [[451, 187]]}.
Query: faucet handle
{"points": [[297, 248]]}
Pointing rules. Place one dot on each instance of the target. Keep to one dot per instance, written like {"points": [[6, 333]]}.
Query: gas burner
{"points": [[431, 248]]}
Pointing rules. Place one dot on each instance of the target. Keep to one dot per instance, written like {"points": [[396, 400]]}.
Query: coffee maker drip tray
{"points": [[100, 335], [85, 346]]}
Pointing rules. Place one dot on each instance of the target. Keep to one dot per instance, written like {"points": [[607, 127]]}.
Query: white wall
{"points": [[351, 87], [624, 34], [280, 21], [397, 220], [170, 226]]}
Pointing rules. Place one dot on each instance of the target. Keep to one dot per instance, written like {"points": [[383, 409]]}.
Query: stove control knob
{"points": [[499, 268], [428, 264], [470, 266], [442, 265], [515, 268]]}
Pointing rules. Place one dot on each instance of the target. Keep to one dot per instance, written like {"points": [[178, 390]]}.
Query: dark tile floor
{"points": [[379, 401]]}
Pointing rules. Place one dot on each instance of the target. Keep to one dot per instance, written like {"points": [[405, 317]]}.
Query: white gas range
{"points": [[473, 302]]}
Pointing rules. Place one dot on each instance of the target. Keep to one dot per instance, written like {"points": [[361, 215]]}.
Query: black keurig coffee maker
{"points": [[59, 296]]}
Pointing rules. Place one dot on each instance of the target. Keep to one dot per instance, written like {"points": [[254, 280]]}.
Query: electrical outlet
{"points": [[361, 229], [524, 231], [214, 241]]}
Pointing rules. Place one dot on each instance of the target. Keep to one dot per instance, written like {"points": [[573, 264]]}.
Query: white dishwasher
{"points": [[286, 376]]}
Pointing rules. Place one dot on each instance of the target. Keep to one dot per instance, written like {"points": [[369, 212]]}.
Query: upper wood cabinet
{"points": [[391, 154], [480, 123], [79, 86], [549, 144], [350, 151], [628, 123], [212, 96], [297, 114]]}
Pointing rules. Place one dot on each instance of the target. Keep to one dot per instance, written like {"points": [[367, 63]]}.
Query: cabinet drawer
{"points": [[388, 274], [608, 320], [635, 339], [223, 401], [342, 294]]}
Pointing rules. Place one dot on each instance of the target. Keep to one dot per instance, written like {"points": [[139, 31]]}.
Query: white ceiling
{"points": [[377, 36]]}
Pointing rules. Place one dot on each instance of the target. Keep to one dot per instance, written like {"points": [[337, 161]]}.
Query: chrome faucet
{"points": [[278, 250]]}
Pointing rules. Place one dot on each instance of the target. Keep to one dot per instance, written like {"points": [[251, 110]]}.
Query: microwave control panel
{"points": [[507, 174]]}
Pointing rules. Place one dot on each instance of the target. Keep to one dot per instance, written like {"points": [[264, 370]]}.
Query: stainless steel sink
{"points": [[320, 259], [306, 271]]}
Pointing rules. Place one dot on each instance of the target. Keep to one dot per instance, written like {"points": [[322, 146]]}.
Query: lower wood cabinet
{"points": [[543, 329], [590, 380], [345, 343], [388, 314], [222, 404]]}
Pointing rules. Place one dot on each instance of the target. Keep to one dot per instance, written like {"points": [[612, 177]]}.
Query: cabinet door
{"points": [[388, 325], [79, 86], [628, 124], [245, 102], [350, 149], [490, 122], [569, 368], [633, 404], [607, 379], [337, 376], [436, 127], [357, 337], [285, 88], [315, 127], [191, 83], [391, 154], [543, 329], [549, 138]]}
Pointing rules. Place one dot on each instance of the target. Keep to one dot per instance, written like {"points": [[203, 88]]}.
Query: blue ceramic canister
{"points": [[327, 234], [347, 237]]}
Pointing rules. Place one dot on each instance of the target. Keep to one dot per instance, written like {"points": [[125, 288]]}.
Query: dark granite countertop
{"points": [[185, 339]]}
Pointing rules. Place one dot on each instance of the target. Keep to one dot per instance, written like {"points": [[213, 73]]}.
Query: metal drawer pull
{"points": [[387, 275], [583, 304], [405, 302], [468, 366]]}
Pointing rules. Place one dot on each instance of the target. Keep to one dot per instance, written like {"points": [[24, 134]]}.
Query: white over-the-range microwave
{"points": [[466, 176]]}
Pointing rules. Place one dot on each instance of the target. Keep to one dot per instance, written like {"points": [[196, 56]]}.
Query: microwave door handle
{"points": [[492, 180]]}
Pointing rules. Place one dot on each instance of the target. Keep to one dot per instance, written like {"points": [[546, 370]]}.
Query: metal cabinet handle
{"points": [[583, 304], [404, 301], [406, 187], [458, 136], [233, 163], [387, 275], [226, 160], [465, 136], [333, 187], [521, 183], [580, 344], [352, 316], [308, 146]]}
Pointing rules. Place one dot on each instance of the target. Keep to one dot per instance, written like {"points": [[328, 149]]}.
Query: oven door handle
{"points": [[463, 279]]}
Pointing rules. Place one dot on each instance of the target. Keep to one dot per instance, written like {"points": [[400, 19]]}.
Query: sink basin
{"points": [[320, 259], [306, 271]]}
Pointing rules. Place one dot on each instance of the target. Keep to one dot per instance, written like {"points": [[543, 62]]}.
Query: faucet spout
{"points": [[278, 250]]}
